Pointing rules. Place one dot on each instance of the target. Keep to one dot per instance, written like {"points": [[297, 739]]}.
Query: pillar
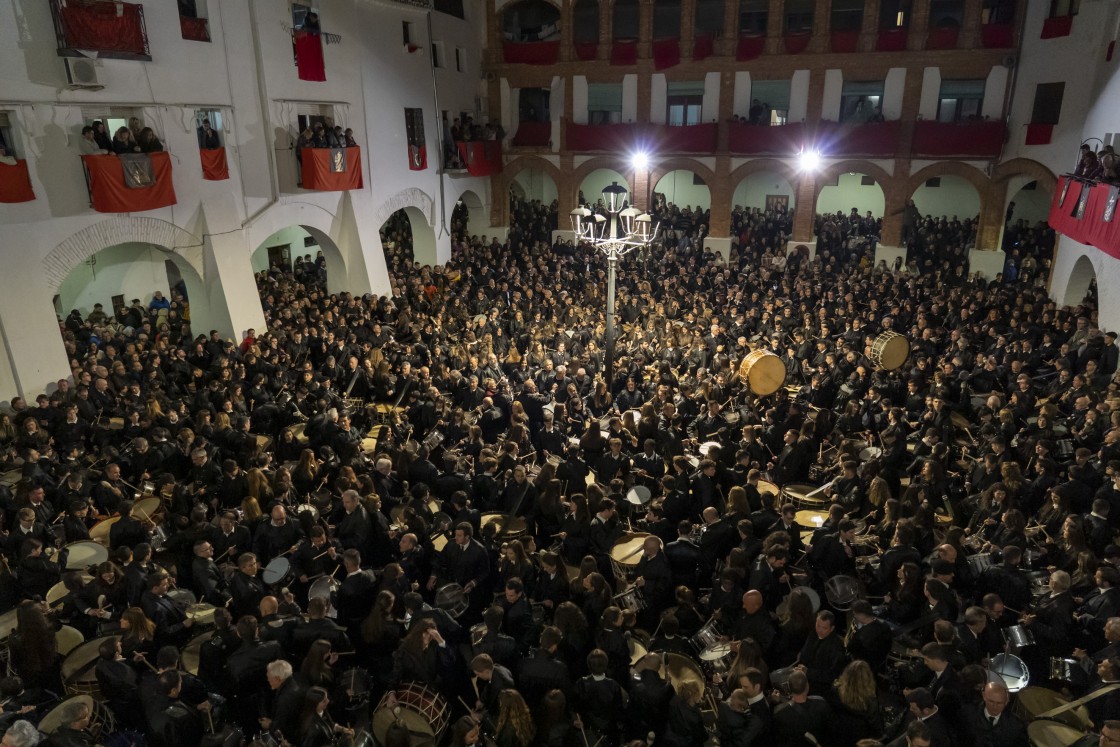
{"points": [[567, 50], [234, 304], [869, 29], [606, 29], [992, 201], [493, 33], [726, 44], [775, 27], [970, 25], [919, 25], [805, 212], [645, 35], [822, 21], [688, 28]]}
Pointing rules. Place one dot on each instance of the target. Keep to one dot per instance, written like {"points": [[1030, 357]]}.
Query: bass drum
{"points": [[423, 711], [1046, 733], [889, 351], [763, 371]]}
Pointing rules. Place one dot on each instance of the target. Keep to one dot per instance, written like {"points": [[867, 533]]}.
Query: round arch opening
{"points": [[852, 190], [591, 188], [1082, 282], [469, 215], [765, 190], [685, 189], [534, 184], [531, 21], [302, 246], [947, 195], [407, 237], [118, 274], [1031, 200]]}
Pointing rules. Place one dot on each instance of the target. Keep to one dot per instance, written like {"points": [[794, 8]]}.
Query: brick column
{"points": [[722, 192], [919, 25], [566, 191], [606, 27], [805, 211], [775, 27], [816, 96], [688, 28], [970, 25], [822, 21], [645, 28], [641, 187], [726, 110], [869, 29], [728, 41], [992, 200], [493, 34], [567, 50]]}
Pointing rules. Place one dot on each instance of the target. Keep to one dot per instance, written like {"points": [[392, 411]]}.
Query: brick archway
{"points": [[1025, 167], [832, 172], [680, 164], [519, 164], [759, 165], [618, 165], [971, 174]]}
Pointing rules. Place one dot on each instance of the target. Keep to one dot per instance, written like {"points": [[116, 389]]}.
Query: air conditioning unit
{"points": [[81, 73]]}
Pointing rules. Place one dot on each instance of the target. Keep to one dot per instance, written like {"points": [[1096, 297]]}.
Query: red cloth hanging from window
{"points": [[702, 47], [1039, 134], [531, 53], [587, 50], [110, 194], [997, 35], [844, 42], [309, 56], [323, 174], [666, 53], [943, 37], [214, 166], [624, 52], [797, 43], [892, 40], [537, 134], [749, 47], [103, 26], [194, 29], [417, 157], [1052, 28], [15, 183]]}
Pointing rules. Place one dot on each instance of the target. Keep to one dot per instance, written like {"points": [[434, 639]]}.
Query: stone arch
{"points": [[755, 165], [321, 224], [832, 172], [680, 164], [82, 245], [1025, 167], [620, 165], [420, 209], [477, 220], [517, 165], [971, 174], [1080, 276]]}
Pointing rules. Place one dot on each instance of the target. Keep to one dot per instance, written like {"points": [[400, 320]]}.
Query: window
{"points": [[604, 103], [305, 17], [214, 117], [847, 15], [894, 14], [450, 7], [437, 54], [773, 98], [7, 141], [799, 16], [414, 127], [193, 22], [460, 59], [684, 102], [114, 117], [1059, 8], [407, 27], [960, 100], [1048, 103], [945, 13], [754, 15], [860, 101], [997, 12]]}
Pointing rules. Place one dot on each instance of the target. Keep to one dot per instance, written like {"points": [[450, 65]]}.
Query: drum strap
{"points": [[1080, 701]]}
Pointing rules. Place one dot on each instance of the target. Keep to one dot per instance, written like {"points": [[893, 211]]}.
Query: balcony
{"points": [[131, 183], [531, 53], [482, 157], [15, 183], [1086, 212], [194, 29], [625, 138], [976, 140], [331, 169], [113, 30]]}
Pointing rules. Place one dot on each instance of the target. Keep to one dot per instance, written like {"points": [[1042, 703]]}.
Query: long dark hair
{"points": [[311, 700], [36, 639], [315, 668]]}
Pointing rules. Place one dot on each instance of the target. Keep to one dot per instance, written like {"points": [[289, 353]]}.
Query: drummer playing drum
{"points": [[655, 579]]}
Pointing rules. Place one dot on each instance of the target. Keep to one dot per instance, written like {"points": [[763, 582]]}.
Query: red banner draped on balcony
{"points": [[1092, 228], [533, 134], [702, 47], [214, 166], [699, 138], [958, 139], [1039, 134], [943, 37], [609, 137], [845, 42], [103, 26], [110, 194], [323, 172], [587, 50], [15, 183], [627, 138], [870, 139], [759, 140], [309, 56], [482, 157], [194, 29], [624, 52], [666, 53], [892, 40], [1052, 28], [997, 35], [531, 53], [797, 43], [417, 157], [749, 47]]}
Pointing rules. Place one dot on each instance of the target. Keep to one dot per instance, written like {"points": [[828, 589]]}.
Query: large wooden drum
{"points": [[889, 351], [763, 371]]}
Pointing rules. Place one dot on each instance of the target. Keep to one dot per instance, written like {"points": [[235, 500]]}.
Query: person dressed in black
{"points": [[600, 700], [172, 624], [316, 727], [823, 656], [423, 656]]}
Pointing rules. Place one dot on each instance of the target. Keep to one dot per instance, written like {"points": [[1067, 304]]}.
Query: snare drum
{"points": [[1019, 636], [452, 599], [779, 678], [716, 659], [889, 350], [202, 613], [505, 528], [678, 669], [1069, 672], [323, 588], [1012, 669], [423, 711], [625, 555], [82, 555], [763, 371], [78, 676], [707, 636], [278, 572], [639, 495], [357, 684], [631, 600], [841, 591]]}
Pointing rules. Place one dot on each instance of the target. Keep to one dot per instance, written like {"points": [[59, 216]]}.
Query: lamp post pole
{"points": [[612, 275]]}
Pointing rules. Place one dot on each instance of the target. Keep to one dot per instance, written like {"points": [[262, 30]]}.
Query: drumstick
{"points": [[145, 660], [210, 717], [325, 552]]}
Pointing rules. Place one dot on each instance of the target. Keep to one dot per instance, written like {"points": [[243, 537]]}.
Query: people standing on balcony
{"points": [[101, 136], [148, 141], [88, 145], [208, 137], [135, 127], [123, 142]]}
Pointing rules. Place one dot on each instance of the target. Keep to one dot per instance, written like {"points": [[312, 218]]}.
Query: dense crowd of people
{"points": [[435, 509]]}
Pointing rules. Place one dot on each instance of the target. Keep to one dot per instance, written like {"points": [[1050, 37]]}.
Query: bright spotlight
{"points": [[640, 160], [809, 160]]}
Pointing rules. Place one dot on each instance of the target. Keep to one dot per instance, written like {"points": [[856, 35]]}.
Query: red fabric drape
{"points": [[845, 41], [417, 157], [533, 133], [892, 40], [194, 29], [624, 52], [943, 37], [958, 139], [482, 157], [749, 47], [1052, 28], [317, 172], [531, 53], [871, 139], [666, 53], [15, 183], [110, 195], [797, 43], [587, 50], [214, 166], [103, 26], [309, 56], [1092, 229], [628, 138], [1039, 134], [702, 47], [759, 140], [997, 35]]}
